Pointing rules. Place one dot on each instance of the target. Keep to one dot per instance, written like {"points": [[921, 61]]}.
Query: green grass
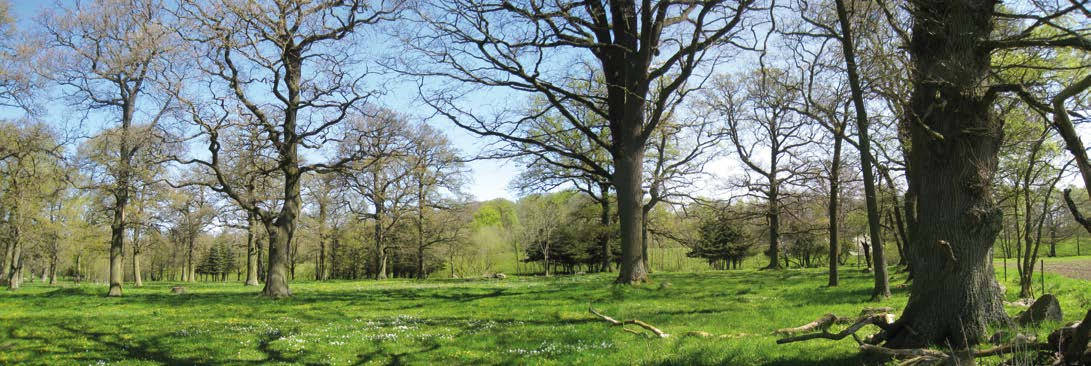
{"points": [[512, 321], [1068, 247]]}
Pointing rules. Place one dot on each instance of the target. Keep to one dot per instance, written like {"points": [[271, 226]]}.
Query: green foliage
{"points": [[218, 262], [720, 239], [498, 213]]}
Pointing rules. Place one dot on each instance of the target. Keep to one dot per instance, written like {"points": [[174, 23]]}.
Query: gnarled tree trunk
{"points": [[955, 141]]}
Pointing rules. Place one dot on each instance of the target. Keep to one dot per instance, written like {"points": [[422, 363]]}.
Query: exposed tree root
{"points": [[1066, 346]]}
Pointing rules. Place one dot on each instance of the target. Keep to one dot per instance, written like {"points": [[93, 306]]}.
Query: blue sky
{"points": [[489, 178]]}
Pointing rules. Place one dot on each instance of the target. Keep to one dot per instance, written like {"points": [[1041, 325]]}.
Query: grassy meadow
{"points": [[518, 320]]}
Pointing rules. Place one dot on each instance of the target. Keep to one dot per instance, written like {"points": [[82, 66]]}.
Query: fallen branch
{"points": [[822, 323], [1005, 349], [916, 356], [880, 320], [637, 322]]}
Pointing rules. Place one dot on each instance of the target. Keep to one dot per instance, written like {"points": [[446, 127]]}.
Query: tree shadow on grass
{"points": [[147, 349], [392, 359], [154, 349], [846, 360], [705, 358]]}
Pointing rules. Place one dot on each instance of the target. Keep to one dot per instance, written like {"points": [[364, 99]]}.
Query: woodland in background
{"points": [[264, 142]]}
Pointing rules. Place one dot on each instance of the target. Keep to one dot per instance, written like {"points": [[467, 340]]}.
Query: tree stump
{"points": [[177, 290], [1046, 308]]}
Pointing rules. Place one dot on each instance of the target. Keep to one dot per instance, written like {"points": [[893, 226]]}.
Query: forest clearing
{"points": [[518, 320], [659, 182]]}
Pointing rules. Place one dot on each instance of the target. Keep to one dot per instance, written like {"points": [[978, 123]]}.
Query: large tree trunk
{"points": [[252, 245], [282, 230], [882, 287], [5, 262], [293, 250], [276, 278], [79, 268], [53, 268], [900, 225], [380, 250], [117, 242], [1052, 238], [420, 229], [121, 198], [323, 234], [261, 248], [191, 270], [281, 233], [545, 255], [644, 238], [832, 209], [604, 221], [773, 217], [137, 280], [628, 172], [954, 296], [15, 274], [335, 248], [866, 245]]}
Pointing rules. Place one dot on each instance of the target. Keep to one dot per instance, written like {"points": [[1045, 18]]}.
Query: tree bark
{"points": [[281, 231], [380, 250], [832, 208], [955, 141], [773, 217], [117, 240], [882, 286], [420, 229], [545, 254], [644, 238], [276, 278], [137, 280], [323, 234], [15, 273], [5, 262], [252, 245], [191, 245], [121, 196], [79, 268], [53, 268], [604, 221], [628, 172]]}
